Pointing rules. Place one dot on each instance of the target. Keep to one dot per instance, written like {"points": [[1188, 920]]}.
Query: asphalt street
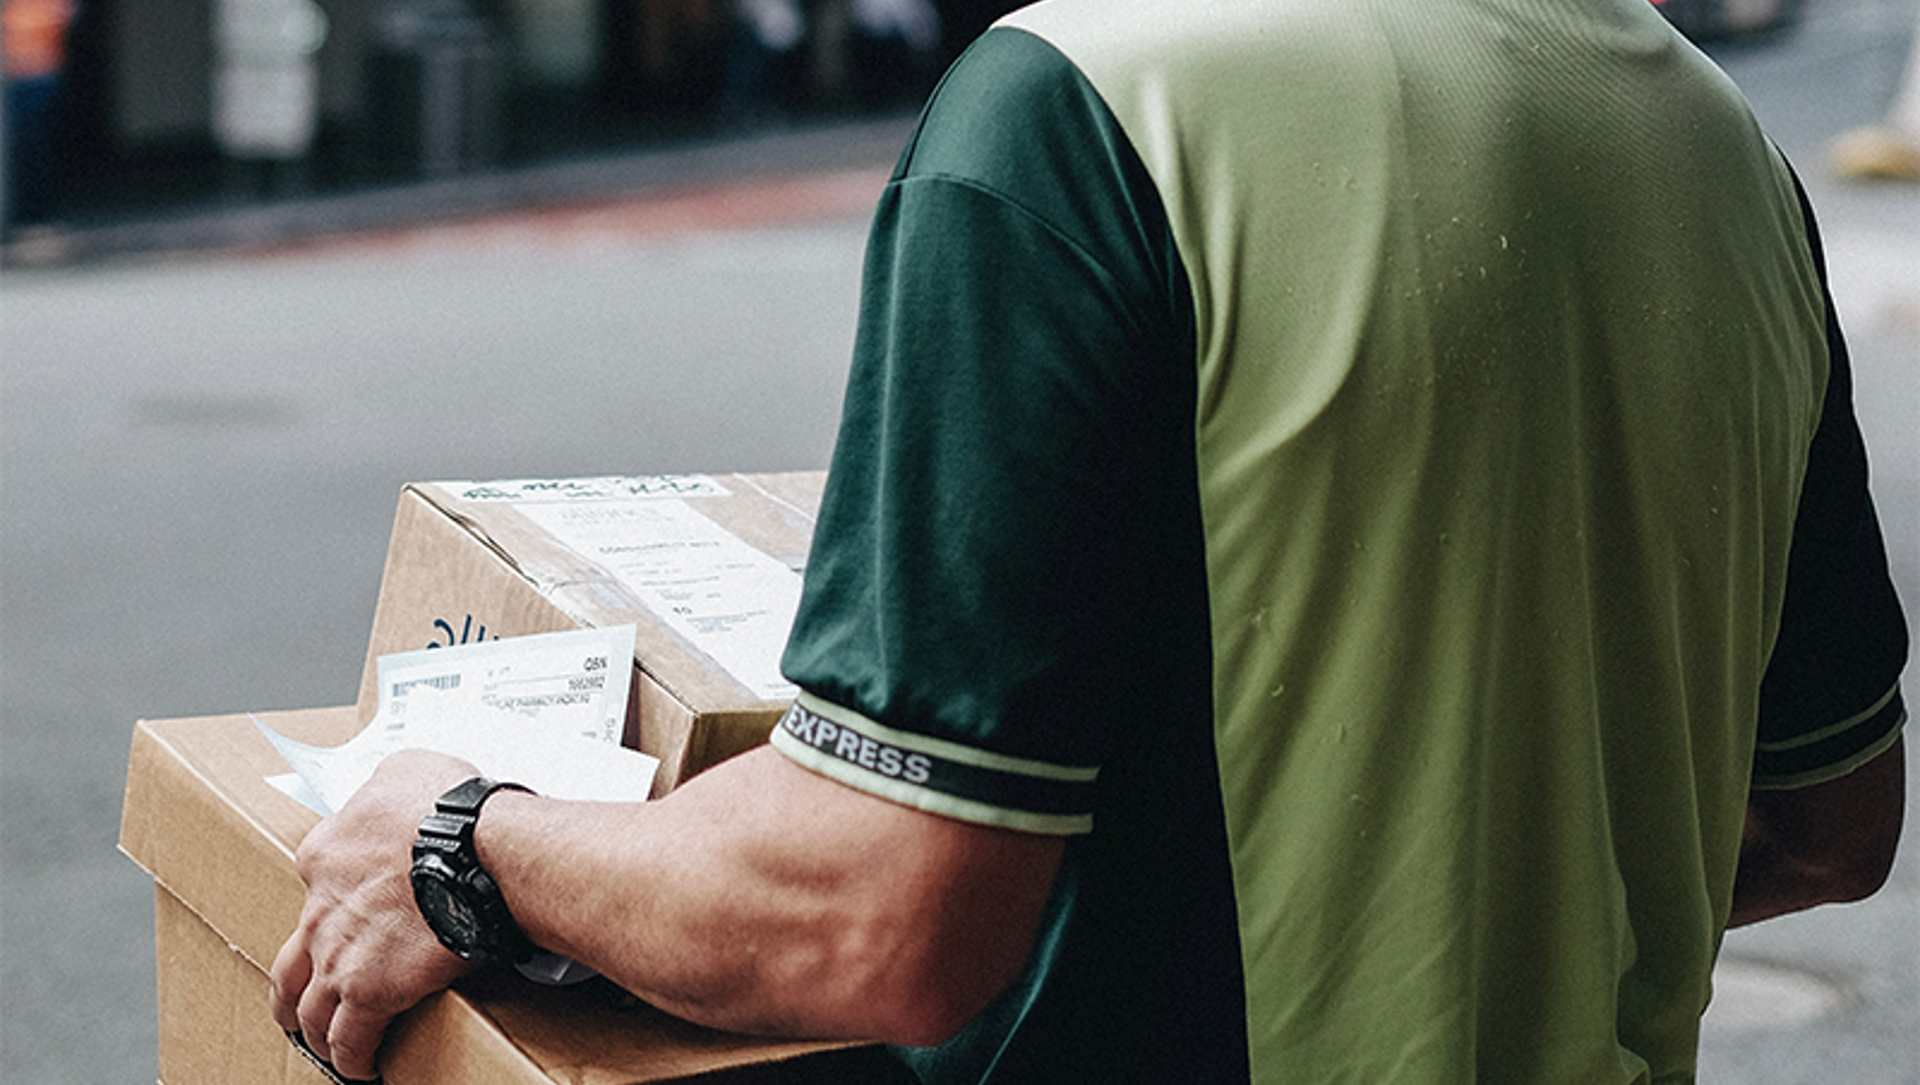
{"points": [[200, 455]]}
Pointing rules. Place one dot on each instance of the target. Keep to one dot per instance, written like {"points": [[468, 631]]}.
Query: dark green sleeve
{"points": [[1014, 470], [1831, 698]]}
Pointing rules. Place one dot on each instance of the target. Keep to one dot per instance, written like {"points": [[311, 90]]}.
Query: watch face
{"points": [[449, 914], [456, 897]]}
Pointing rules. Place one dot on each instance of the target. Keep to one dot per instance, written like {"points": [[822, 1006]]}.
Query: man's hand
{"points": [[1824, 844], [362, 955]]}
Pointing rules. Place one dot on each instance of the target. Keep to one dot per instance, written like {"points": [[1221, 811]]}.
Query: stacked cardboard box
{"points": [[470, 561]]}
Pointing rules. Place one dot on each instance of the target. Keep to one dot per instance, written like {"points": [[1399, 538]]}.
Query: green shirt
{"points": [[1339, 459]]}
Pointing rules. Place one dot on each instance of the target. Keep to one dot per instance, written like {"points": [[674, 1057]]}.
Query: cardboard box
{"points": [[219, 841], [680, 556]]}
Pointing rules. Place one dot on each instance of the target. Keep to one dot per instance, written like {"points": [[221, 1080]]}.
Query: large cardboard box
{"points": [[219, 841], [704, 565]]}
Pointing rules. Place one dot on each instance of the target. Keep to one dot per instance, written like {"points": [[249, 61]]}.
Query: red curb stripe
{"points": [[729, 205]]}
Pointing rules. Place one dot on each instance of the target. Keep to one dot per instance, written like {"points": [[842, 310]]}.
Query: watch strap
{"points": [[444, 851], [468, 796]]}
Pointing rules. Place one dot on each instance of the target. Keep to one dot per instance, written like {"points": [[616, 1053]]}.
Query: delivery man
{"points": [[1348, 558]]}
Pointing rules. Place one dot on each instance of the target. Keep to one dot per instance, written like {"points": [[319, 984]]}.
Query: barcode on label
{"points": [[440, 681]]}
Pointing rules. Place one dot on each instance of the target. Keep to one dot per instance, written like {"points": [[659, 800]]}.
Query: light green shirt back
{"points": [[1491, 425]]}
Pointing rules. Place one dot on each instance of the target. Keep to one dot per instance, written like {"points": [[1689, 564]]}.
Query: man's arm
{"points": [[759, 897], [762, 897], [1823, 844]]}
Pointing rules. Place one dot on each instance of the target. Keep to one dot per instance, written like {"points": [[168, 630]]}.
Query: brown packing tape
{"points": [[436, 576], [793, 500]]}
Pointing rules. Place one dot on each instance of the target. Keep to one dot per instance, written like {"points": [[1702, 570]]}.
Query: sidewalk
{"points": [[741, 163]]}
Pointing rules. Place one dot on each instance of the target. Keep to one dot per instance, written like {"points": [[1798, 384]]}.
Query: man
{"points": [[1303, 592], [33, 47]]}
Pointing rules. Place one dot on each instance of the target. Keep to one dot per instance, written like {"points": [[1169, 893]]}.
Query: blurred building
{"points": [[171, 102]]}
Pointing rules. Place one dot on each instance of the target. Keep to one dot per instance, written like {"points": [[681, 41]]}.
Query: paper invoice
{"points": [[545, 711]]}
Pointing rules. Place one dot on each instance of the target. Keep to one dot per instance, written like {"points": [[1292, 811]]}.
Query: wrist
{"points": [[455, 892]]}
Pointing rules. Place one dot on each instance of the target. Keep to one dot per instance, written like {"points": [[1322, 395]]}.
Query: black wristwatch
{"points": [[456, 895]]}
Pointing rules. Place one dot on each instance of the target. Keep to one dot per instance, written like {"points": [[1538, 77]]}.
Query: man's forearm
{"points": [[762, 898]]}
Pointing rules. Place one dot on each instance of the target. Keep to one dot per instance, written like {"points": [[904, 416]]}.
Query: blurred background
{"points": [[264, 261], [172, 104]]}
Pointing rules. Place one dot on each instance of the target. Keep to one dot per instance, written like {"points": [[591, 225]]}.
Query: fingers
{"points": [[347, 972], [345, 1034], [354, 1039], [334, 964], [361, 954], [315, 1019], [292, 971], [339, 1029]]}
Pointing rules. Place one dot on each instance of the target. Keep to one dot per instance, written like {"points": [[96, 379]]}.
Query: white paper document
{"points": [[545, 711]]}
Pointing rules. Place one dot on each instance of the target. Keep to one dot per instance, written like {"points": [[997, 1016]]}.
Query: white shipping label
{"points": [[573, 682], [727, 599], [545, 710]]}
